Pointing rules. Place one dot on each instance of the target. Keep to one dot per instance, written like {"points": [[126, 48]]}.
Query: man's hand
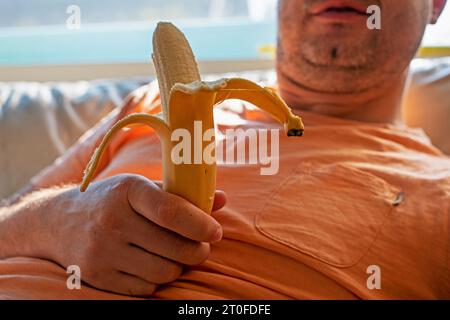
{"points": [[126, 234]]}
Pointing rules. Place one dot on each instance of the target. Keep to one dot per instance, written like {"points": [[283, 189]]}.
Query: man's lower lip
{"points": [[340, 17]]}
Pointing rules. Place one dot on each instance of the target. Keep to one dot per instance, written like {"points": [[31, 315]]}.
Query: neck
{"points": [[377, 105]]}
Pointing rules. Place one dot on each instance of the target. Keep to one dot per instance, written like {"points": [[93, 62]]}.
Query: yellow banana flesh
{"points": [[174, 61], [187, 100]]}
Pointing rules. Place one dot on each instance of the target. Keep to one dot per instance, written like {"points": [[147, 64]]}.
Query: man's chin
{"points": [[336, 79], [339, 58]]}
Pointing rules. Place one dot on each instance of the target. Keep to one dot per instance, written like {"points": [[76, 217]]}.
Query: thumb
{"points": [[220, 199]]}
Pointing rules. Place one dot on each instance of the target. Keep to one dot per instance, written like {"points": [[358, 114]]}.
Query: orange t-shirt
{"points": [[351, 201]]}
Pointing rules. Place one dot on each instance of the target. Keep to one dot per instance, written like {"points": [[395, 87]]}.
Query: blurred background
{"points": [[225, 35], [114, 37]]}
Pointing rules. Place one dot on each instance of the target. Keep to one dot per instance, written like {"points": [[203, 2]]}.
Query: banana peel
{"points": [[187, 100]]}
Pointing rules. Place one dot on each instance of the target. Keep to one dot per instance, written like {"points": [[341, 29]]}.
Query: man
{"points": [[359, 209]]}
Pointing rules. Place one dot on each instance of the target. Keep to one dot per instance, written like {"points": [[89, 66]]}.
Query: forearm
{"points": [[25, 226]]}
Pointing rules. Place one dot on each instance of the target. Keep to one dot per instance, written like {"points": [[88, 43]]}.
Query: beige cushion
{"points": [[427, 101], [40, 121]]}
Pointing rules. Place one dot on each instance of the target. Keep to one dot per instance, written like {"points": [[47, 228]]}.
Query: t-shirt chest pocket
{"points": [[330, 212]]}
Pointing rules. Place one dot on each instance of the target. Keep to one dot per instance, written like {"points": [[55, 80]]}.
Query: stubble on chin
{"points": [[326, 65]]}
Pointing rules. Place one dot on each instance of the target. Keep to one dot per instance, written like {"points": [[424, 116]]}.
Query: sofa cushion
{"points": [[427, 100], [40, 121]]}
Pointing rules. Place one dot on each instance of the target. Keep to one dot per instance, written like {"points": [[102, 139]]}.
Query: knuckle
{"points": [[119, 184], [130, 180]]}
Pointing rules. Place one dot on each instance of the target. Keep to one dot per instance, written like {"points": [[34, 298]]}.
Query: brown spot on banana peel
{"points": [[295, 133], [265, 99]]}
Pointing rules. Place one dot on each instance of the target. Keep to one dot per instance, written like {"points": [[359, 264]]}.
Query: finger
{"points": [[220, 200], [147, 266], [165, 243], [126, 284], [131, 285], [172, 212]]}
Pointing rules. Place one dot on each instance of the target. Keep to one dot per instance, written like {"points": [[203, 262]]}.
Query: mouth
{"points": [[339, 11]]}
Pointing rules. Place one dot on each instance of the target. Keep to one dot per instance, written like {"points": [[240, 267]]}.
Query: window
{"points": [[35, 32], [116, 31], [18, 13], [439, 34]]}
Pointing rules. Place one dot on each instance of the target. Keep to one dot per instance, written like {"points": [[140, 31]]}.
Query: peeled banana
{"points": [[187, 100]]}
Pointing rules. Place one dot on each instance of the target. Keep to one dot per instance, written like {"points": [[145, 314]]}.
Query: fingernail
{"points": [[218, 235]]}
